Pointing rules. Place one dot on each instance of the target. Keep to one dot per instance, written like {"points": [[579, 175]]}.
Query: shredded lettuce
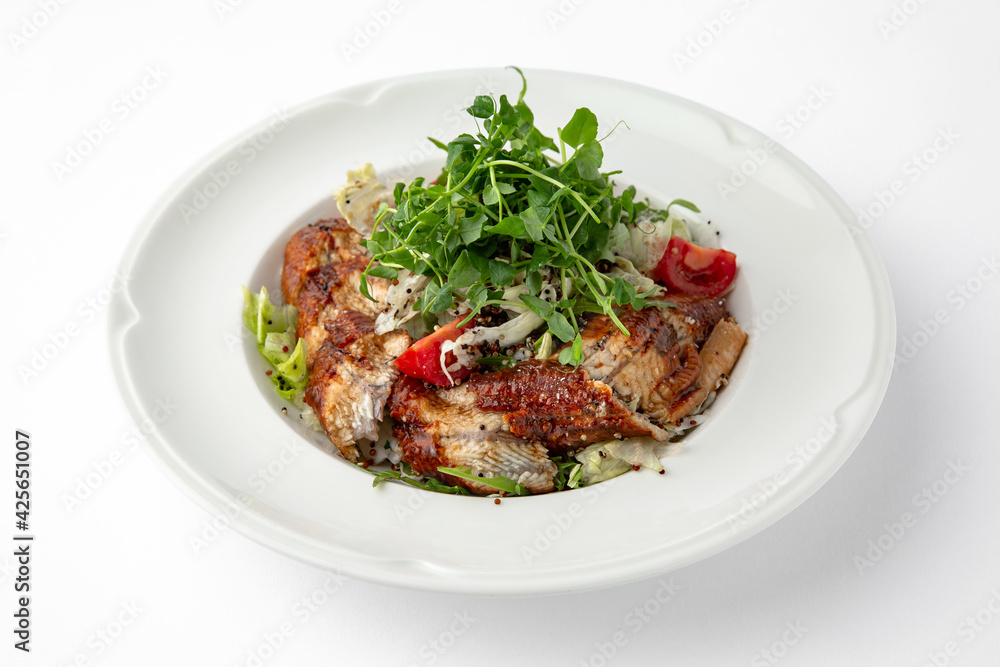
{"points": [[604, 460], [274, 329]]}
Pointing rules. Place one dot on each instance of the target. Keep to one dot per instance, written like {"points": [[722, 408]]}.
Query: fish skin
{"points": [[321, 243], [718, 356], [560, 406], [328, 290], [693, 316]]}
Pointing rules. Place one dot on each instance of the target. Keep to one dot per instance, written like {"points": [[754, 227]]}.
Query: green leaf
{"points": [[627, 205], [539, 307], [560, 326], [497, 482], [540, 141], [429, 484], [539, 258], [501, 273], [568, 472], [527, 116], [498, 360], [442, 301], [455, 151], [588, 159], [380, 271], [364, 289], [512, 225], [470, 229], [534, 221], [572, 355], [622, 292], [506, 113], [490, 195], [581, 128], [482, 107], [537, 199], [476, 296], [462, 273], [533, 280], [686, 204], [524, 82]]}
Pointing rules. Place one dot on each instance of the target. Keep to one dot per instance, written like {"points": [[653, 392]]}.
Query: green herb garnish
{"points": [[499, 482], [505, 207], [427, 484]]}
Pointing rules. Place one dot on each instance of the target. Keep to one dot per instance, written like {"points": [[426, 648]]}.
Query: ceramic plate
{"points": [[802, 395]]}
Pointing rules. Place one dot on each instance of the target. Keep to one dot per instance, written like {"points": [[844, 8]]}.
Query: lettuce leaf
{"points": [[274, 329]]}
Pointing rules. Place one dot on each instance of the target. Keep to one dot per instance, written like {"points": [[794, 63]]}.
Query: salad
{"points": [[519, 324]]}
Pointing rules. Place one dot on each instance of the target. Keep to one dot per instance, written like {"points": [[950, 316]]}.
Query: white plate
{"points": [[811, 290]]}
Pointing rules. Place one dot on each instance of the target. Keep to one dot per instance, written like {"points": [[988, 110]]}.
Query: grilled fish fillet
{"points": [[321, 243], [351, 370], [351, 378], [444, 427], [718, 356], [692, 316], [329, 290], [659, 361], [562, 407], [515, 417]]}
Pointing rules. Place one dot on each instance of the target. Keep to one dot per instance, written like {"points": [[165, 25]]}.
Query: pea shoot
{"points": [[512, 205]]}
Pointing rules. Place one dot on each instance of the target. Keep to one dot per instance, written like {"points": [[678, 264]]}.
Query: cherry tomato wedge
{"points": [[422, 360], [692, 269]]}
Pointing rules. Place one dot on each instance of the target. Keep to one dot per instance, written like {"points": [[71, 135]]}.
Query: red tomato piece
{"points": [[692, 269], [422, 360]]}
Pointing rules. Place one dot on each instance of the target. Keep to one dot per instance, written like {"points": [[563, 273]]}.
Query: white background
{"points": [[857, 589]]}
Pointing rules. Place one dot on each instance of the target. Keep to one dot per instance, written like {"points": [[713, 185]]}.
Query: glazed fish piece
{"points": [[536, 401], [659, 361], [718, 356], [692, 316], [351, 379], [329, 290], [321, 243], [483, 454], [557, 405], [635, 366], [445, 427], [508, 422]]}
